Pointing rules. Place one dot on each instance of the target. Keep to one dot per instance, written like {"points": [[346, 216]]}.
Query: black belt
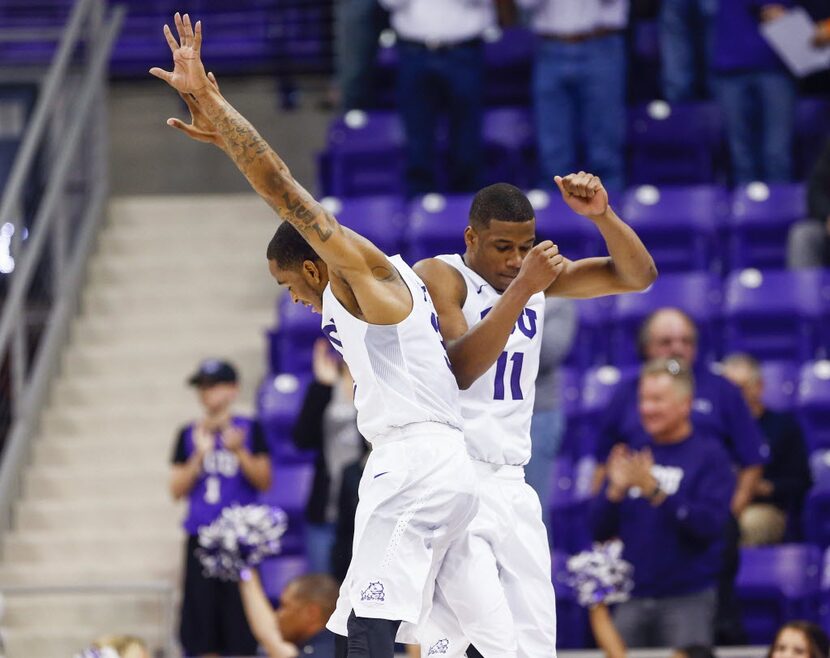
{"points": [[581, 37], [439, 46]]}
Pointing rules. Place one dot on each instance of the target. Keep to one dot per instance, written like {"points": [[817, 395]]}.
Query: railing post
{"points": [[19, 358]]}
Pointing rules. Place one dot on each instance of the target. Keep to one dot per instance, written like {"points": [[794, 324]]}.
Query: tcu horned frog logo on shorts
{"points": [[374, 592]]}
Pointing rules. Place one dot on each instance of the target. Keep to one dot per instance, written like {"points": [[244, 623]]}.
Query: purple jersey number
{"points": [[517, 360]]}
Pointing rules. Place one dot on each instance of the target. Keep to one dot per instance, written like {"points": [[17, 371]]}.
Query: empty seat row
{"points": [[666, 144]]}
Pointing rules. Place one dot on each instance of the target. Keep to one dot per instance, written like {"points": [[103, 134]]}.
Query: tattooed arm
{"points": [[358, 270]]}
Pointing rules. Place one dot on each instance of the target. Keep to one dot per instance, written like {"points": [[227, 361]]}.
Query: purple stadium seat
{"points": [[776, 584], [598, 386], [673, 144], [276, 572], [279, 400], [436, 225], [509, 61], [812, 129], [591, 344], [814, 404], [298, 328], [575, 237], [761, 217], [677, 224], [773, 314], [780, 384], [572, 629], [365, 155], [380, 219], [570, 392], [290, 487], [696, 293], [509, 146]]}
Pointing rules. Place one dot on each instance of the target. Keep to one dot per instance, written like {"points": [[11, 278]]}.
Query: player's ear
{"points": [[311, 271], [470, 237]]}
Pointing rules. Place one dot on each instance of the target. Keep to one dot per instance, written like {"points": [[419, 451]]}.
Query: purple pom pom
{"points": [[600, 575], [240, 539]]}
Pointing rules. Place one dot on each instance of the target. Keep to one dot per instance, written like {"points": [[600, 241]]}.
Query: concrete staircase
{"points": [[174, 280]]}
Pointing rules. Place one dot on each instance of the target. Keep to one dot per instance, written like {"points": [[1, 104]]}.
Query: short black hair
{"points": [[502, 202], [289, 249]]}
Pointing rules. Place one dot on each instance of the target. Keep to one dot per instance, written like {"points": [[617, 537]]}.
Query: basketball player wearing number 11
{"points": [[490, 305]]}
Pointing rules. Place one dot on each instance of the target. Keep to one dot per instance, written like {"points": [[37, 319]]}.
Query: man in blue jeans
{"points": [[441, 70], [579, 86], [756, 93], [686, 28]]}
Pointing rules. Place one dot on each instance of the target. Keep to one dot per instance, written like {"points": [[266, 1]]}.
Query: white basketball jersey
{"points": [[401, 372], [498, 407]]}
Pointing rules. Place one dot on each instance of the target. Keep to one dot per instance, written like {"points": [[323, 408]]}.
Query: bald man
{"points": [[718, 411]]}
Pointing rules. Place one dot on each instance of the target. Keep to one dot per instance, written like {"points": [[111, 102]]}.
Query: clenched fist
{"points": [[541, 266], [583, 193]]}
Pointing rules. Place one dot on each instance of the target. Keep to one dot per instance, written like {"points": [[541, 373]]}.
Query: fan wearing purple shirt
{"points": [[669, 503], [220, 460], [718, 411]]}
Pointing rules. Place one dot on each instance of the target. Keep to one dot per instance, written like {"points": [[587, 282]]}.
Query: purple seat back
{"points": [[814, 404], [776, 584], [772, 314], [275, 573], [290, 488], [436, 225], [812, 128], [761, 217], [279, 400], [816, 516], [696, 293], [677, 224], [298, 328], [591, 344], [509, 146], [820, 469], [673, 144], [380, 219]]}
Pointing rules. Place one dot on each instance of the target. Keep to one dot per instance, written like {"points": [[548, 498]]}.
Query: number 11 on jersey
{"points": [[516, 360]]}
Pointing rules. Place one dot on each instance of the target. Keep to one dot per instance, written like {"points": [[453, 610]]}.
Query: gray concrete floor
{"points": [[149, 157]]}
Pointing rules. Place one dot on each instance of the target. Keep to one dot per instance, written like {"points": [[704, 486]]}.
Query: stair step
{"points": [[76, 610], [47, 642], [92, 515], [64, 549]]}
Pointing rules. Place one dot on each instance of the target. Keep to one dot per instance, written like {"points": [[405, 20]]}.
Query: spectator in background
{"points": [[686, 28], [347, 499], [357, 25], [298, 626], [718, 411], [327, 424], [669, 503], [219, 460], [441, 69], [579, 87], [800, 639], [547, 426], [786, 479], [808, 243], [756, 93]]}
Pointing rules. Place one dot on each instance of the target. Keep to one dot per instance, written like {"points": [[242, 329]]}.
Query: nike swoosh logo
{"points": [[379, 474], [481, 287]]}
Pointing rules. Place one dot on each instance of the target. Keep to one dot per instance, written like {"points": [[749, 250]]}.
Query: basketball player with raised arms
{"points": [[418, 492], [491, 314]]}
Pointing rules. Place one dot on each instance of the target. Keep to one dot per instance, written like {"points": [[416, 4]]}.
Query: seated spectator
{"points": [[328, 424], [756, 92], [220, 460], [579, 87], [803, 639], [669, 504], [808, 244], [298, 626], [718, 410], [786, 478]]}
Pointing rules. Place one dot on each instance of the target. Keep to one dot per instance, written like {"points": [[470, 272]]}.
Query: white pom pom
{"points": [[600, 575]]}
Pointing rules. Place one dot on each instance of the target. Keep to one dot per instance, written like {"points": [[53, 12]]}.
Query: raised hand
{"points": [[583, 193], [541, 266], [200, 127], [233, 438], [188, 74], [203, 440]]}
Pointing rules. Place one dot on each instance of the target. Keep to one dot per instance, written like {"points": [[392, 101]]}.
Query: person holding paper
{"points": [[755, 91]]}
